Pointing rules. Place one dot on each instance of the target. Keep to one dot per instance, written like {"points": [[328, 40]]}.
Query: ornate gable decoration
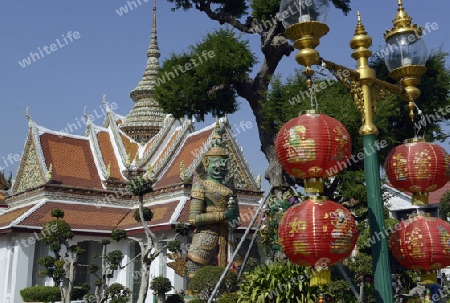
{"points": [[239, 173], [30, 173]]}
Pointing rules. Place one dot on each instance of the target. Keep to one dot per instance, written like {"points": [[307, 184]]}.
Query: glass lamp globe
{"points": [[405, 49], [298, 11]]}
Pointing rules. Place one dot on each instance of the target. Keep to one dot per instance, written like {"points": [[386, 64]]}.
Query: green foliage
{"points": [[175, 298], [264, 9], [234, 7], [55, 233], [283, 282], [272, 216], [113, 259], [161, 284], [251, 264], [229, 298], [41, 294], [139, 186], [57, 213], [118, 293], [174, 246], [118, 234], [360, 265], [217, 62], [197, 300], [146, 212], [340, 290], [204, 281], [79, 292], [444, 206], [261, 9], [182, 229], [54, 268], [93, 268]]}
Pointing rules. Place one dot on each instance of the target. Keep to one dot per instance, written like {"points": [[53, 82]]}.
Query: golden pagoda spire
{"points": [[146, 117]]}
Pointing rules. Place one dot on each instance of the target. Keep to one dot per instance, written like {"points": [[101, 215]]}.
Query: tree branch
{"points": [[222, 18]]}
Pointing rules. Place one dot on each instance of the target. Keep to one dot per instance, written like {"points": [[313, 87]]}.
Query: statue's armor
{"points": [[209, 202]]}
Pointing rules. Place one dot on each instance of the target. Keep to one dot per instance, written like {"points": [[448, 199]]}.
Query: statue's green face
{"points": [[217, 168]]}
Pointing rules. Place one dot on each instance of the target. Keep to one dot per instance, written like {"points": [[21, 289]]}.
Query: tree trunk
{"points": [[161, 297], [143, 289], [70, 279]]}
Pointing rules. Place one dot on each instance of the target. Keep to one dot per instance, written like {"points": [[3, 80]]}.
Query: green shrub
{"points": [[280, 282], [229, 298], [204, 281], [175, 298], [79, 292], [197, 300], [161, 284], [51, 293], [41, 294]]}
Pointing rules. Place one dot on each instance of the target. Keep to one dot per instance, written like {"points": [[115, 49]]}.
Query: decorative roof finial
{"points": [[182, 171], [146, 118], [49, 173], [27, 115]]}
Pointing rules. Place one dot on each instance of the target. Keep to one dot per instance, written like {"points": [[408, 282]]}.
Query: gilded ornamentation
{"points": [[342, 140], [358, 96], [414, 243], [341, 234], [178, 264], [401, 169], [300, 148], [48, 175], [422, 163], [300, 248], [5, 184], [108, 171], [182, 171], [297, 226], [31, 174], [445, 239], [299, 173]]}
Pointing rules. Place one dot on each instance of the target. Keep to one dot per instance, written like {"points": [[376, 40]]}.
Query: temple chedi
{"points": [[86, 175], [146, 118]]}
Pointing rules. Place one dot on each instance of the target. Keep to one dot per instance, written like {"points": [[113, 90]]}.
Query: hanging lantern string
{"points": [[421, 121], [308, 72]]}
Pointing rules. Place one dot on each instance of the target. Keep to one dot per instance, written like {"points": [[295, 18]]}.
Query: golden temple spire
{"points": [[146, 117]]}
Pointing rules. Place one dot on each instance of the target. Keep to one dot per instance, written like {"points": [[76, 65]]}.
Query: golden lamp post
{"points": [[304, 21]]}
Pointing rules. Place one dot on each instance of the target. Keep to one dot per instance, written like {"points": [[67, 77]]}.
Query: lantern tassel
{"points": [[420, 198], [314, 185], [428, 277], [320, 277]]}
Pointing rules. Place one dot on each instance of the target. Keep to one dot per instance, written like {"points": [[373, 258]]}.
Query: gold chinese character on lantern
{"points": [[300, 248], [297, 226], [399, 163]]}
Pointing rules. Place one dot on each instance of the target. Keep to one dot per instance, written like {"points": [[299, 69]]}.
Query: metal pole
{"points": [[227, 268], [380, 253]]}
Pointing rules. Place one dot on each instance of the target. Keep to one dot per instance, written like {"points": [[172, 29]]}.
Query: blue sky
{"points": [[109, 57]]}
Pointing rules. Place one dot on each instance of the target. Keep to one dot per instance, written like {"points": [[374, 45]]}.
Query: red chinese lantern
{"points": [[318, 233], [418, 167], [313, 146], [422, 243]]}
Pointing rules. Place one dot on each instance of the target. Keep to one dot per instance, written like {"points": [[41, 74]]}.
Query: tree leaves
{"points": [[200, 82]]}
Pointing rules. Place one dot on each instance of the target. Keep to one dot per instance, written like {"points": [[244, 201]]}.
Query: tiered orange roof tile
{"points": [[109, 158], [187, 154], [72, 161]]}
